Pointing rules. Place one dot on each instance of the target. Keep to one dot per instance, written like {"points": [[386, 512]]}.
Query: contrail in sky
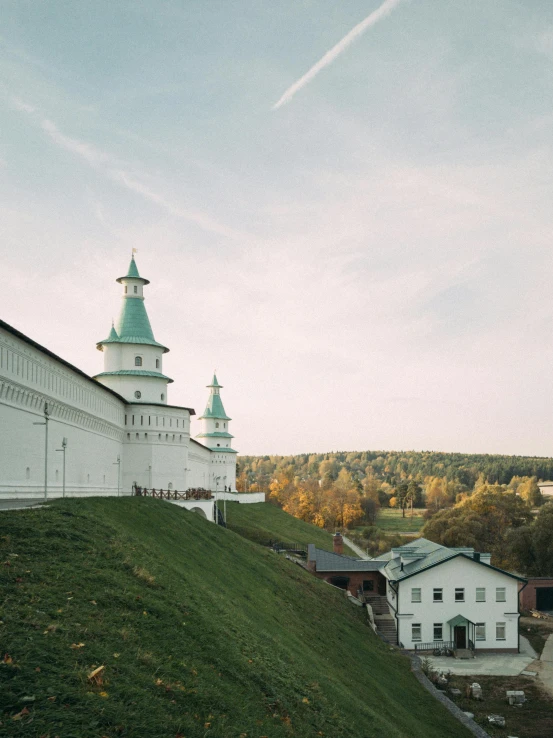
{"points": [[381, 12]]}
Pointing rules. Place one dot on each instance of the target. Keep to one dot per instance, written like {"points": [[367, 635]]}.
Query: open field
{"points": [[262, 521], [390, 520], [195, 631]]}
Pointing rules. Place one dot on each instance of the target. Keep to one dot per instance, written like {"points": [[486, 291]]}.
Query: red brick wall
{"points": [[356, 578], [527, 596]]}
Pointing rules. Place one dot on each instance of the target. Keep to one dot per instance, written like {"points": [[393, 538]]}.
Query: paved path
{"points": [[544, 666], [491, 664], [355, 548]]}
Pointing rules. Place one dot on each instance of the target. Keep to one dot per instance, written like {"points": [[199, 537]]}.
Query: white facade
{"points": [[429, 604], [118, 426]]}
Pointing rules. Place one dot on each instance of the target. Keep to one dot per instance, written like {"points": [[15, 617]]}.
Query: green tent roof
{"points": [[133, 324], [215, 409], [132, 273], [215, 383]]}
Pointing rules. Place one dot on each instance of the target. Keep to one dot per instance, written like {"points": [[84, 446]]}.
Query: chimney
{"points": [[338, 543]]}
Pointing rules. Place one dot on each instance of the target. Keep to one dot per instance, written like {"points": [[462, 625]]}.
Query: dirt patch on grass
{"points": [[534, 719]]}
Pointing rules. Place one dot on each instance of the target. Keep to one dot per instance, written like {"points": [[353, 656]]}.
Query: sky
{"points": [[344, 207]]}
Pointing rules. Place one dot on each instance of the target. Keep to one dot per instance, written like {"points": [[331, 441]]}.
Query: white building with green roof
{"points": [[118, 426]]}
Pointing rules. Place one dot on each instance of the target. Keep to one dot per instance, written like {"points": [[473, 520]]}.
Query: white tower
{"points": [[133, 359], [216, 436]]}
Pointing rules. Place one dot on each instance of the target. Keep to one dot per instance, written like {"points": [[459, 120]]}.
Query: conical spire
{"points": [[214, 407], [133, 324], [132, 273]]}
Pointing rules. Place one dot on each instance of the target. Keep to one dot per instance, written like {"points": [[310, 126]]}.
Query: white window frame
{"points": [[482, 592], [416, 591], [440, 597], [498, 597], [461, 591], [138, 361], [414, 637], [481, 637], [441, 631], [501, 626]]}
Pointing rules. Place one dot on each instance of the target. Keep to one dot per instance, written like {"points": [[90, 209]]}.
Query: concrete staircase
{"points": [[383, 619]]}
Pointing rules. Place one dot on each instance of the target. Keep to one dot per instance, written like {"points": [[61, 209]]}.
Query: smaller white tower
{"points": [[216, 436]]}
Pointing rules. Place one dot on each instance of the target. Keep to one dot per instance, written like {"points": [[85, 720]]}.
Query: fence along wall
{"points": [[87, 414]]}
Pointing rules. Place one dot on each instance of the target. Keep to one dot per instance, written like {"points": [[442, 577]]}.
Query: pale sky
{"points": [[348, 215]]}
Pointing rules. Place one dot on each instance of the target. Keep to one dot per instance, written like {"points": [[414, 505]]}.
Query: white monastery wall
{"points": [[90, 417], [459, 572], [199, 466]]}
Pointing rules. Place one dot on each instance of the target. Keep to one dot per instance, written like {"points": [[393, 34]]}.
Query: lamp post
{"points": [[216, 499], [62, 449], [118, 464], [45, 424]]}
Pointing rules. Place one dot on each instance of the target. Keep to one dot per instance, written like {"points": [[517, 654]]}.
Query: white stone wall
{"points": [[452, 574], [90, 417], [152, 389], [199, 458], [241, 497], [223, 467]]}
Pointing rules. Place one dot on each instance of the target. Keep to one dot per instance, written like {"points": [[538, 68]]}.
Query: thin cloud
{"points": [[109, 167], [371, 20]]}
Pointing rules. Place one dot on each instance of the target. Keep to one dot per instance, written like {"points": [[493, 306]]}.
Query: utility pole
{"points": [[118, 464], [62, 449], [45, 424]]}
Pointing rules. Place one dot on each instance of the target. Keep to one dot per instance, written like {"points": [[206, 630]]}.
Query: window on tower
{"points": [[157, 363], [138, 360], [216, 425], [125, 289], [135, 290], [162, 396]]}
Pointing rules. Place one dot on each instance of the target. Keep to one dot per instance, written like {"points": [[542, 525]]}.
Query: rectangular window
{"points": [[438, 595], [500, 631], [500, 594], [459, 594], [480, 594], [438, 632], [416, 594], [480, 631], [416, 632], [368, 584]]}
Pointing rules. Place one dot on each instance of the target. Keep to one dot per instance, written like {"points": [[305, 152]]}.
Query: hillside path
{"points": [[355, 548]]}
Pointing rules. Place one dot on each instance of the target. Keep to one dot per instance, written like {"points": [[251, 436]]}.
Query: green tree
{"points": [[531, 546]]}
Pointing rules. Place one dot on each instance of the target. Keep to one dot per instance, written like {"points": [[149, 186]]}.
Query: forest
{"points": [[490, 502]]}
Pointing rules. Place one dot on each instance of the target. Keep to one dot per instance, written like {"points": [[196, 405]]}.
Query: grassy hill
{"points": [[262, 522], [201, 633]]}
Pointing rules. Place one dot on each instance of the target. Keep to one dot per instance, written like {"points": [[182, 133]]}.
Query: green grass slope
{"points": [[201, 633], [262, 522]]}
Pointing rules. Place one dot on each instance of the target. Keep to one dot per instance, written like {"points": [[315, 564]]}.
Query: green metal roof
{"points": [[215, 383], [222, 450], [459, 620], [215, 434], [133, 325], [132, 273], [134, 373], [215, 409]]}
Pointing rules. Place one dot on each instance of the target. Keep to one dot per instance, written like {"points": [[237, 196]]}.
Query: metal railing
{"points": [[172, 494], [435, 645]]}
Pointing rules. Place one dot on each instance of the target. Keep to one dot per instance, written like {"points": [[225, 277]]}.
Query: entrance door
{"points": [[460, 636], [544, 598]]}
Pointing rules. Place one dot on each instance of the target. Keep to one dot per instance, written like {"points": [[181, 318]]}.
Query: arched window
{"points": [[157, 363], [216, 425], [138, 360], [162, 397], [135, 290], [28, 472]]}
